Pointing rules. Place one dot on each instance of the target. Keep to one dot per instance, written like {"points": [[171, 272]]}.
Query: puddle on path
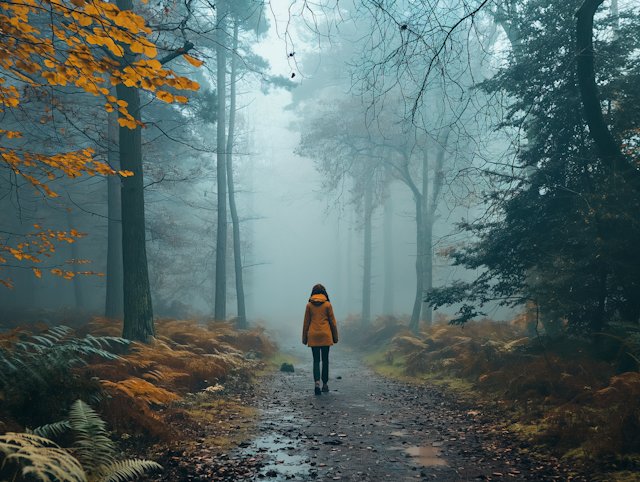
{"points": [[278, 451], [424, 455]]}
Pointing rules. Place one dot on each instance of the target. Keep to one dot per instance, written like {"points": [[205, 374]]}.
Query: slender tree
{"points": [[348, 301], [237, 254], [609, 148], [366, 275], [431, 190], [344, 147], [114, 298], [220, 308], [389, 284]]}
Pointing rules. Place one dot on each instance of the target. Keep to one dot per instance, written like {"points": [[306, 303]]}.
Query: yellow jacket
{"points": [[319, 323]]}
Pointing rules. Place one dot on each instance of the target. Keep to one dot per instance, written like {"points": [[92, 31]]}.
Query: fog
{"points": [[461, 176], [410, 121]]}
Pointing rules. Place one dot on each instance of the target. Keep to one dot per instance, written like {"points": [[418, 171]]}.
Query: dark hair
{"points": [[319, 290]]}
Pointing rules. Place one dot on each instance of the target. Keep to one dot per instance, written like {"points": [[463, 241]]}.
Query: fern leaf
{"points": [[40, 458], [60, 331], [142, 390], [52, 430], [125, 470], [92, 446], [11, 441]]}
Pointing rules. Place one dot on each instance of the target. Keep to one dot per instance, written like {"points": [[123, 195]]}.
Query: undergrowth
{"points": [[93, 457], [139, 390], [38, 372], [574, 397]]}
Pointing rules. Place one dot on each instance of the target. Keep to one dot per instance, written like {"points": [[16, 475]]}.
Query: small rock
{"points": [[286, 367]]}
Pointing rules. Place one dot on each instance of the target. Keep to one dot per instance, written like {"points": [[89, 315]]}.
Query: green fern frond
{"points": [[52, 430], [92, 446], [44, 340], [40, 458], [126, 470], [35, 359]]}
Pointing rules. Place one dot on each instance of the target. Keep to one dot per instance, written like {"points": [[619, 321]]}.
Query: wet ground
{"points": [[368, 428]]}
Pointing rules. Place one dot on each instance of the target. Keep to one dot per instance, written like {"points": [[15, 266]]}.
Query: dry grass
{"points": [[570, 395], [186, 357], [141, 388]]}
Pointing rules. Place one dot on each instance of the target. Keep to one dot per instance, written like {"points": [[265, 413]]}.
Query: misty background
{"points": [[297, 68]]}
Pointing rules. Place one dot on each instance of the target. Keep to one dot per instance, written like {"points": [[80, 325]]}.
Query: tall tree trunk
{"points": [[427, 259], [598, 322], [430, 205], [237, 255], [337, 270], [417, 304], [113, 307], [349, 267], [138, 310], [249, 274], [366, 278], [610, 153], [220, 309], [78, 291], [427, 310], [387, 298]]}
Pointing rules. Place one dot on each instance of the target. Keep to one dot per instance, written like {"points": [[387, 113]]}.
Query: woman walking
{"points": [[320, 332]]}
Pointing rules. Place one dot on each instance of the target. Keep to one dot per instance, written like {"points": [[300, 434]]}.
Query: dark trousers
{"points": [[317, 351]]}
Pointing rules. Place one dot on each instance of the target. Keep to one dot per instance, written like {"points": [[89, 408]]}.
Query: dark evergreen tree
{"points": [[563, 226]]}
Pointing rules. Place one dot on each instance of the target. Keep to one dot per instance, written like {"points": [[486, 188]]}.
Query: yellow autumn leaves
{"points": [[82, 26], [84, 44], [39, 245]]}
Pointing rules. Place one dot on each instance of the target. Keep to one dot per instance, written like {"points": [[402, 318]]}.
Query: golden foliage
{"points": [[186, 357], [142, 390], [70, 52], [566, 387]]}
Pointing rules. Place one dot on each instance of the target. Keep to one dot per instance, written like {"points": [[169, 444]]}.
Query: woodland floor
{"points": [[367, 428]]}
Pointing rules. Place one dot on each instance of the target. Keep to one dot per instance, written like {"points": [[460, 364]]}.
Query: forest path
{"points": [[369, 428]]}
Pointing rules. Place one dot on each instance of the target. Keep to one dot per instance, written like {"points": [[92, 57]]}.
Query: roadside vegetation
{"points": [[563, 395], [150, 397]]}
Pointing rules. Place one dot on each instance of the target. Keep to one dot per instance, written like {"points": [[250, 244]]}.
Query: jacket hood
{"points": [[318, 299]]}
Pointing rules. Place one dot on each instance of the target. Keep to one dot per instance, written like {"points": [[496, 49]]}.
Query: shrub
{"points": [[579, 390], [93, 457], [37, 378]]}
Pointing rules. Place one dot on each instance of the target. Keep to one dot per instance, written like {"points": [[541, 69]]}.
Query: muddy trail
{"points": [[366, 428]]}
